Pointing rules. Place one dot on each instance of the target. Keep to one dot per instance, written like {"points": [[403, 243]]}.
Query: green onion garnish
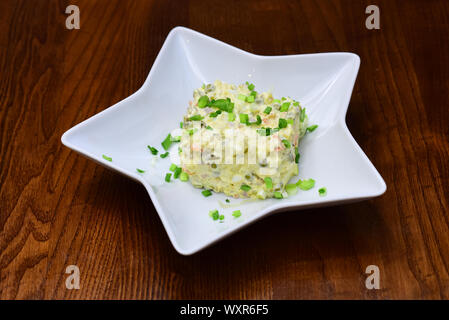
{"points": [[241, 97], [283, 98], [285, 107], [153, 150], [268, 110], [264, 131], [250, 99], [268, 183], [222, 104], [167, 142], [227, 200], [184, 177], [214, 214], [297, 155], [164, 155], [203, 101], [250, 86], [296, 103], [231, 116], [253, 93], [282, 123], [192, 131], [312, 128], [286, 143], [140, 170], [177, 172], [322, 191], [244, 118], [291, 189], [221, 217], [278, 195], [290, 121], [176, 139], [245, 187], [214, 114], [305, 184], [209, 128], [276, 101], [303, 114], [181, 124], [236, 213], [196, 117], [173, 167], [206, 193], [167, 177], [105, 157]]}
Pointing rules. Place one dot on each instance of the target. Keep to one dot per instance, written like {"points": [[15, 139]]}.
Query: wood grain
{"points": [[58, 209]]}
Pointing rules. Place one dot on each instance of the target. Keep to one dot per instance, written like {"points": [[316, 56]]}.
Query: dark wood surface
{"points": [[58, 208]]}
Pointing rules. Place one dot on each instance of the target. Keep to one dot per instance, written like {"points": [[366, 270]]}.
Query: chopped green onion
{"points": [[167, 142], [250, 86], [285, 107], [181, 124], [167, 177], [296, 103], [214, 214], [140, 170], [297, 155], [231, 116], [303, 114], [283, 98], [227, 200], [184, 176], [223, 104], [153, 150], [312, 128], [253, 93], [268, 183], [264, 131], [291, 189], [221, 217], [245, 187], [259, 120], [176, 139], [290, 121], [164, 155], [268, 110], [173, 167], [241, 97], [276, 101], [322, 192], [305, 184], [206, 193], [214, 114], [209, 128], [278, 195], [250, 99], [282, 123], [192, 131], [105, 157], [196, 117], [203, 101], [286, 143], [177, 172], [236, 213], [243, 118]]}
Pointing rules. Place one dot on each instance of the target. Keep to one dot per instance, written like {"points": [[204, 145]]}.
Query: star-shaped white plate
{"points": [[321, 82]]}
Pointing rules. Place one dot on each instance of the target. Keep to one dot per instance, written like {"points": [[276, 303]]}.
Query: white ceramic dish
{"points": [[322, 82]]}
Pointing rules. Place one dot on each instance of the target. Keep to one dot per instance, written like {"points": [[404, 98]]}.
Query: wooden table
{"points": [[58, 208]]}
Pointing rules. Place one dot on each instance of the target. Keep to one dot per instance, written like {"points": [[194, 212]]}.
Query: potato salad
{"points": [[241, 142]]}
